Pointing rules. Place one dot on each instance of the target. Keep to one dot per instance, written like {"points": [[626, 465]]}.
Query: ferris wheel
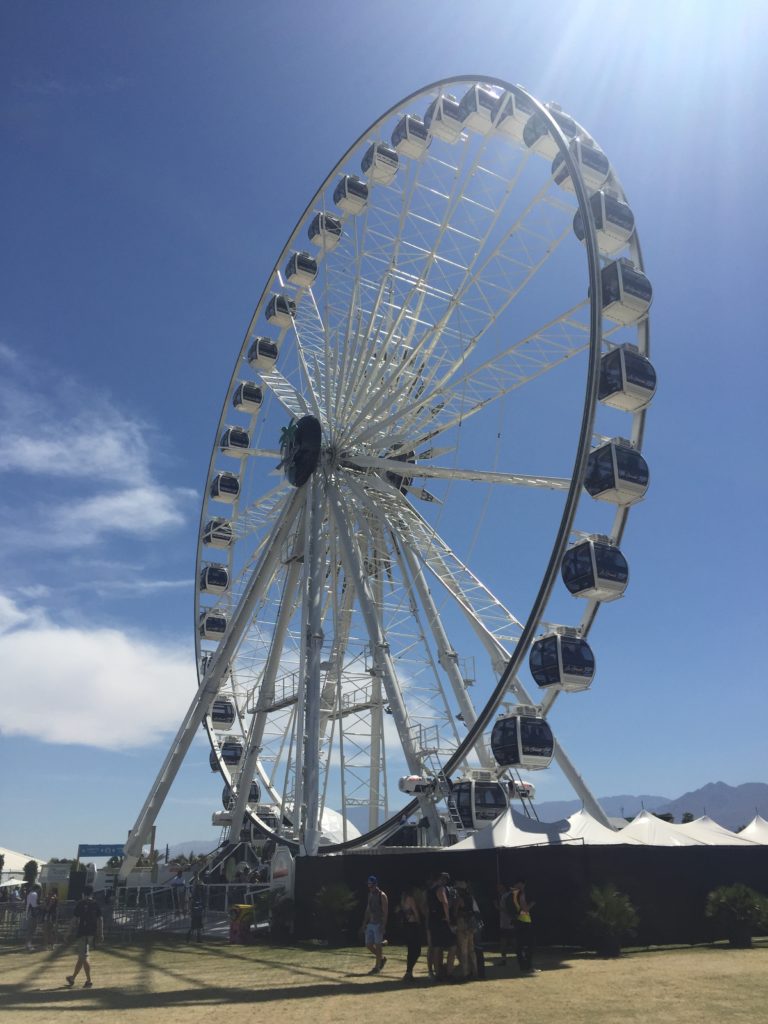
{"points": [[437, 410]]}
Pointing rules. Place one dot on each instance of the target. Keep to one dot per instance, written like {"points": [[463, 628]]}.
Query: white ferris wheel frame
{"points": [[505, 638]]}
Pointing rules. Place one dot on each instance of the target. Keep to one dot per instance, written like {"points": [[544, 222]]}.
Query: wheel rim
{"points": [[402, 346]]}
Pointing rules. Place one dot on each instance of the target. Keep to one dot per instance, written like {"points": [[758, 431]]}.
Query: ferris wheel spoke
{"points": [[286, 394], [478, 300], [484, 609], [382, 661], [416, 469], [520, 363]]}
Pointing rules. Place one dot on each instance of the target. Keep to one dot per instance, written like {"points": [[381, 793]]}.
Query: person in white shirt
{"points": [[33, 911]]}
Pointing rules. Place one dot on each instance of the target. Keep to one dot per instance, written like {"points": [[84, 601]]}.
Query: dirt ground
{"points": [[175, 983]]}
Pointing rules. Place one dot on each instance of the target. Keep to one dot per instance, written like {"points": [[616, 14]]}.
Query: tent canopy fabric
{"points": [[515, 829], [512, 829], [14, 862], [708, 831], [756, 830]]}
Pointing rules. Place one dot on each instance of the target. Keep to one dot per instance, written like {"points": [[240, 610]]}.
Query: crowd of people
{"points": [[445, 917]]}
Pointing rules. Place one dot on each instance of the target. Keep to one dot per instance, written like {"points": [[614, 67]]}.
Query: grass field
{"points": [[174, 983]]}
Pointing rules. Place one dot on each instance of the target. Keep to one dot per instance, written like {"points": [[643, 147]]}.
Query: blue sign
{"points": [[100, 850]]}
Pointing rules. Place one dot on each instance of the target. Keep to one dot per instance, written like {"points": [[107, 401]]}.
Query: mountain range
{"points": [[730, 806]]}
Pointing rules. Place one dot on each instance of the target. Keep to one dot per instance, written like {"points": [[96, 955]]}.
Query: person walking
{"points": [[523, 929], [33, 908], [51, 918], [412, 923], [89, 927], [375, 922], [196, 909]]}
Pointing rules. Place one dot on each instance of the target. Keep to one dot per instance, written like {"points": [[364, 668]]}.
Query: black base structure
{"points": [[668, 886]]}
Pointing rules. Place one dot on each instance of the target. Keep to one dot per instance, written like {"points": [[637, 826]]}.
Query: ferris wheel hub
{"points": [[300, 449]]}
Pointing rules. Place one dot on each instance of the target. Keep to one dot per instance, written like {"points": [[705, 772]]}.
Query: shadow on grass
{"points": [[312, 975]]}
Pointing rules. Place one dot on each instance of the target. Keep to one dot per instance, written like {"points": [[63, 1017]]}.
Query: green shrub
{"points": [[611, 920], [335, 905], [737, 913]]}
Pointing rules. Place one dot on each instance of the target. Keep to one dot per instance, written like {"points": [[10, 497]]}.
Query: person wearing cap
{"points": [[375, 922]]}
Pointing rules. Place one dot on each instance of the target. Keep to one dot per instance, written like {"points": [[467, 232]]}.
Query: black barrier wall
{"points": [[667, 885]]}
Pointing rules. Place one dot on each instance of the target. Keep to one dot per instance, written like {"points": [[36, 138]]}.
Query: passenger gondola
{"points": [[479, 797], [325, 231], [477, 107], [225, 487], [247, 397], [212, 625], [380, 163], [228, 797], [410, 137], [614, 223], [443, 118], [563, 660], [230, 752], [280, 311], [627, 292], [262, 355], [596, 569], [218, 533], [351, 194], [627, 379], [591, 161], [301, 269], [513, 109], [520, 789], [537, 136], [222, 714], [214, 579], [235, 442], [616, 472], [523, 739]]}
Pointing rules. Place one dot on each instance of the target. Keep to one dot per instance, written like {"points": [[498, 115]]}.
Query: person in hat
{"points": [[375, 922]]}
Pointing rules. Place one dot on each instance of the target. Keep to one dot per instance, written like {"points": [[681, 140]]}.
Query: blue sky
{"points": [[156, 157]]}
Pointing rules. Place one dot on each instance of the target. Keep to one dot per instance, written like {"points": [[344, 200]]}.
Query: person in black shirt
{"points": [[89, 927]]}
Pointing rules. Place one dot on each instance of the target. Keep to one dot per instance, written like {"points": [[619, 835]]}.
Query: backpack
{"points": [[452, 896], [90, 916], [509, 903]]}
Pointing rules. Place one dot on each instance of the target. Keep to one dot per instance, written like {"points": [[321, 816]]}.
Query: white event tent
{"points": [[756, 830], [708, 831], [513, 829], [13, 866]]}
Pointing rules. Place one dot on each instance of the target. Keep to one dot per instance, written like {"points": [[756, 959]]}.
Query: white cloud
{"points": [[141, 511], [102, 687], [86, 447], [10, 615], [80, 438]]}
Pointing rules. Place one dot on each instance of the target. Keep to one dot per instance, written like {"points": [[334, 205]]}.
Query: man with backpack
{"points": [[89, 927]]}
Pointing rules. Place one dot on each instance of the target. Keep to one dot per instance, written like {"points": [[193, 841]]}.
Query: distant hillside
{"points": [[191, 846], [614, 806], [730, 806]]}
